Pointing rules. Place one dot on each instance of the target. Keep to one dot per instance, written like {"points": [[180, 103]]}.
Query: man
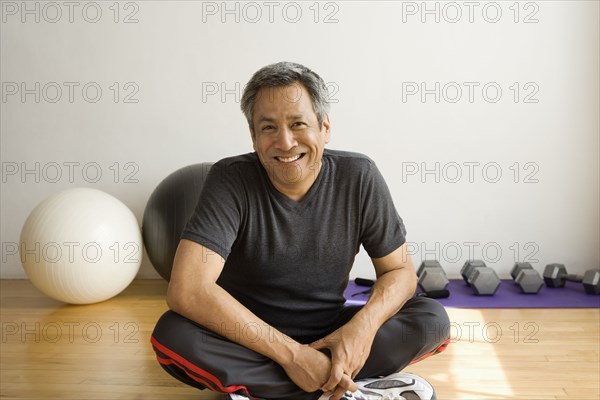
{"points": [[256, 292]]}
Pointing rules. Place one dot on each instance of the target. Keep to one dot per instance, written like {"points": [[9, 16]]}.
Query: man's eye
{"points": [[268, 128], [298, 124]]}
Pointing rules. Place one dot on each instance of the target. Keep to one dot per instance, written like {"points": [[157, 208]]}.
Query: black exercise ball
{"points": [[167, 212]]}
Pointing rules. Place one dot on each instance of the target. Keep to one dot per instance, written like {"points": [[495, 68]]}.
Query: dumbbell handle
{"points": [[364, 282], [435, 294], [573, 278]]}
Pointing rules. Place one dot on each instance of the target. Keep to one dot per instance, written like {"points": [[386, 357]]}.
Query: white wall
{"points": [[372, 54]]}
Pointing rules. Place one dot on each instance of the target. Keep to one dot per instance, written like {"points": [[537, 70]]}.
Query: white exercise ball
{"points": [[81, 246]]}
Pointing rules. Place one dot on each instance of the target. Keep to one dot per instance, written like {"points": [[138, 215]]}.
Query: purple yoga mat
{"points": [[507, 296]]}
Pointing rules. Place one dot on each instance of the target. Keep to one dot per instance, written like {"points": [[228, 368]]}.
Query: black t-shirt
{"points": [[287, 261]]}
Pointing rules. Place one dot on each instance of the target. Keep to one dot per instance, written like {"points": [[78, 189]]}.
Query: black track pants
{"points": [[203, 359]]}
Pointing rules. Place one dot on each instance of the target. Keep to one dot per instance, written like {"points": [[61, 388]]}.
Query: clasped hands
{"points": [[313, 370]]}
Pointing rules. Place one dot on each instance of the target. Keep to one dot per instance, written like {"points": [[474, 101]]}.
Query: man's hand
{"points": [[350, 346], [308, 368]]}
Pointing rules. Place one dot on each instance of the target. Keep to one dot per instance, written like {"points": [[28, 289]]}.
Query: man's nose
{"points": [[286, 139]]}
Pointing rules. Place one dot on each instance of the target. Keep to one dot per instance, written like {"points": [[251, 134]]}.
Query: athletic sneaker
{"points": [[398, 386], [235, 396]]}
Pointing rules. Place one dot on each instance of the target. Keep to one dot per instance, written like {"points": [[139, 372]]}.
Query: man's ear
{"points": [[253, 136], [326, 128]]}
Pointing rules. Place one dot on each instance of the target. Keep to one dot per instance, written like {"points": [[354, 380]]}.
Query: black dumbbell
{"points": [[432, 276], [555, 276], [527, 278], [484, 281], [435, 294]]}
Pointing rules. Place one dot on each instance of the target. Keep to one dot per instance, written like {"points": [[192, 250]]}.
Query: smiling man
{"points": [[293, 156], [256, 292]]}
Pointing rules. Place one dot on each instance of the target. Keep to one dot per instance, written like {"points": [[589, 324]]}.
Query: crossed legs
{"points": [[203, 359]]}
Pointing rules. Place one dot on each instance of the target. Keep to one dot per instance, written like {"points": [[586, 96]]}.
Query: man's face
{"points": [[288, 139]]}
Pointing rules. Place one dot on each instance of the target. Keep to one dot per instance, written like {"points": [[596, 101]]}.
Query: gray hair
{"points": [[284, 74]]}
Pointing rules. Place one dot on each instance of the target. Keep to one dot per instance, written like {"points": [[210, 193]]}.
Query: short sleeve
{"points": [[382, 229], [217, 216]]}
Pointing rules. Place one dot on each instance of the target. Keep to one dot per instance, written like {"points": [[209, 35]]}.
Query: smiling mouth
{"points": [[290, 159]]}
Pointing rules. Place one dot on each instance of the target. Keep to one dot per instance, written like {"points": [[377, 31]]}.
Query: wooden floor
{"points": [[54, 351]]}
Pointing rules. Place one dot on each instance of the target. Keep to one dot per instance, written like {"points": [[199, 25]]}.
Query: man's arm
{"points": [[350, 345], [193, 283]]}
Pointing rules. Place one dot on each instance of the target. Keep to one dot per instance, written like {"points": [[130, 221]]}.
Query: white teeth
{"points": [[289, 159]]}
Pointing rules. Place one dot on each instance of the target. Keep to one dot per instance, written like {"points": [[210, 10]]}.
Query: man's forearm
{"points": [[350, 344], [389, 293], [224, 315]]}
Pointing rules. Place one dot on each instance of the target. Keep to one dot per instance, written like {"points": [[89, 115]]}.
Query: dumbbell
{"points": [[527, 278], [482, 279], [591, 281], [432, 276], [555, 276]]}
